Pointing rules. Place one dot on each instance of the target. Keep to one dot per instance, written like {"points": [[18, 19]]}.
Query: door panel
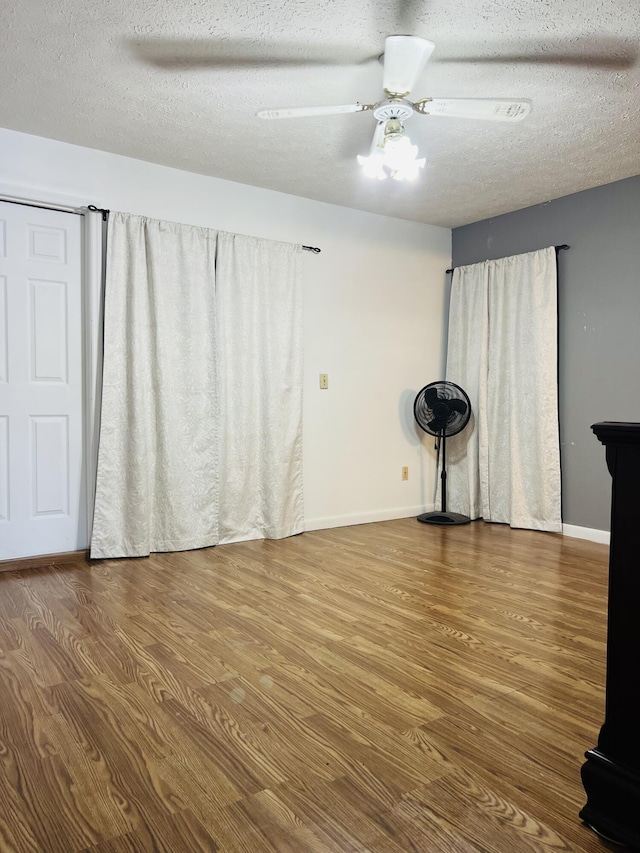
{"points": [[4, 469], [50, 346], [4, 331], [50, 465], [42, 486]]}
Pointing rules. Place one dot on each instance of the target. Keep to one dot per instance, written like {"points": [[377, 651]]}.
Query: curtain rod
{"points": [[60, 208], [94, 209], [557, 248], [41, 206], [105, 213]]}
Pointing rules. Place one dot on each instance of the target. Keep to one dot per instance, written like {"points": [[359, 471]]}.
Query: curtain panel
{"points": [[503, 351], [200, 437], [259, 339]]}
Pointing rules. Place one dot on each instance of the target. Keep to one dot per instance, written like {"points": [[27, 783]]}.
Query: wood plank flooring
{"points": [[375, 689]]}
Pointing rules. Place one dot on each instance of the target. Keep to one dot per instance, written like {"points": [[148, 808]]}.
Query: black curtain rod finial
{"points": [[94, 209], [313, 249]]}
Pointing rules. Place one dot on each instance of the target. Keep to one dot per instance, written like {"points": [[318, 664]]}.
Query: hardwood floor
{"points": [[383, 688]]}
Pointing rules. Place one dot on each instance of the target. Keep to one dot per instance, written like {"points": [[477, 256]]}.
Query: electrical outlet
{"points": [[324, 381], [405, 472]]}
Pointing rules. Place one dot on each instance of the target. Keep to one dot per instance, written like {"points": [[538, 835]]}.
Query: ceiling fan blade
{"points": [[404, 60], [213, 62], [372, 163], [378, 136], [603, 52], [488, 109], [301, 112], [614, 63], [239, 53]]}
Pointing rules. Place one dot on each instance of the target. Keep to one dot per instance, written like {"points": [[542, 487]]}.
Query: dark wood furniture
{"points": [[611, 774]]}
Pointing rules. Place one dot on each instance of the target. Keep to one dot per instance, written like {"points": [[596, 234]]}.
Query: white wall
{"points": [[374, 302]]}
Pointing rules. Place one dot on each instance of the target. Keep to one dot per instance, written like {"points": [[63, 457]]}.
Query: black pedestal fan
{"points": [[442, 409]]}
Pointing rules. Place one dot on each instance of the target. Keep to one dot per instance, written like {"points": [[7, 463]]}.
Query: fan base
{"points": [[443, 518]]}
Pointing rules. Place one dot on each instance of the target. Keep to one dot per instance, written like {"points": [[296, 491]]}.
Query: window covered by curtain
{"points": [[503, 351], [200, 438]]}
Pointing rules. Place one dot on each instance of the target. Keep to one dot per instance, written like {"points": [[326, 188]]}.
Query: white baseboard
{"points": [[590, 533], [365, 517]]}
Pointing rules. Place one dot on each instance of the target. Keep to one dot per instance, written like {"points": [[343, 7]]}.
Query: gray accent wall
{"points": [[599, 321]]}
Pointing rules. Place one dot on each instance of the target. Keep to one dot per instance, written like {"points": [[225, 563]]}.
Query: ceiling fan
{"points": [[404, 59]]}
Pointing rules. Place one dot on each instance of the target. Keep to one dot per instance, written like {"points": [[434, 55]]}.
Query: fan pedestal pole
{"points": [[443, 517]]}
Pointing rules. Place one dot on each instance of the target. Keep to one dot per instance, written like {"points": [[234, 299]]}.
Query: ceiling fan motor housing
{"points": [[393, 108]]}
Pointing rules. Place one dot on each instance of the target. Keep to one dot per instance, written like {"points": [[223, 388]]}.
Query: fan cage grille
{"points": [[433, 413]]}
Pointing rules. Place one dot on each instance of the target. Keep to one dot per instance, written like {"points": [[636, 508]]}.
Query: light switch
{"points": [[324, 381]]}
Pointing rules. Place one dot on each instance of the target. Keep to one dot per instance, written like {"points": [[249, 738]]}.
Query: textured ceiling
{"points": [[108, 75]]}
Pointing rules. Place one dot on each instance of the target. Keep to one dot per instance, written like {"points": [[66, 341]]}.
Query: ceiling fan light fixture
{"points": [[373, 164], [393, 155], [401, 158], [409, 170]]}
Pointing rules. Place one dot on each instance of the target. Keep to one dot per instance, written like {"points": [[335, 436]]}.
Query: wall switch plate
{"points": [[405, 472], [324, 381]]}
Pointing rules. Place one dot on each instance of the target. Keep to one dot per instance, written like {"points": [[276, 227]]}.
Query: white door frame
{"points": [[92, 301]]}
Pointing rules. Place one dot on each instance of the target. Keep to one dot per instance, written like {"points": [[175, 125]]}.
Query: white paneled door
{"points": [[42, 487]]}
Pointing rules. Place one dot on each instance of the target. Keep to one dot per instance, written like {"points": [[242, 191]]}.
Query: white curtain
{"points": [[181, 419], [502, 350], [259, 334], [467, 366]]}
